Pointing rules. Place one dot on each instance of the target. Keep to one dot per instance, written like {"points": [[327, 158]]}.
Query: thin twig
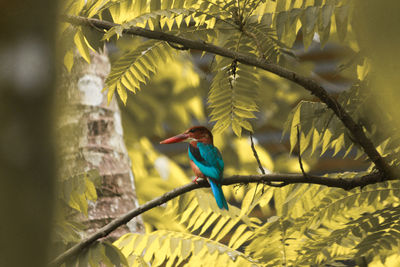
{"points": [[259, 166], [96, 28], [300, 161]]}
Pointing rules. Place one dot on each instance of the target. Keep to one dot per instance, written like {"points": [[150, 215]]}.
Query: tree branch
{"points": [[312, 86], [344, 183]]}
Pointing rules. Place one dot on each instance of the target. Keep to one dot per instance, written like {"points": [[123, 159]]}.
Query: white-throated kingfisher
{"points": [[205, 159]]}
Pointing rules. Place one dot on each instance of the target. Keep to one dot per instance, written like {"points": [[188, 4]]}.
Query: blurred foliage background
{"points": [[349, 47]]}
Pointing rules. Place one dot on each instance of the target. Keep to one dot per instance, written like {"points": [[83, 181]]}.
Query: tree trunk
{"points": [[97, 143]]}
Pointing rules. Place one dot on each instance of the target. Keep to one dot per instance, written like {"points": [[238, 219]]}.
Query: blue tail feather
{"points": [[218, 195]]}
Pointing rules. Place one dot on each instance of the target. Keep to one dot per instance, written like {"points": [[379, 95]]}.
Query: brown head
{"points": [[193, 134]]}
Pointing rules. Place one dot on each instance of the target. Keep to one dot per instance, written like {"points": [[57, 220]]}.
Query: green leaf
{"points": [[236, 128], [110, 93], [122, 93], [293, 128], [69, 60], [324, 25], [155, 5], [308, 21], [82, 45], [83, 259], [232, 96], [280, 24], [135, 68], [341, 17]]}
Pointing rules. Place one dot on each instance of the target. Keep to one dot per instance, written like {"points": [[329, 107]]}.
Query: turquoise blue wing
{"points": [[208, 159]]}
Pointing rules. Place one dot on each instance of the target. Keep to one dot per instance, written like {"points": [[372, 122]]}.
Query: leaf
{"points": [[69, 60], [362, 70], [280, 24], [135, 68], [82, 45], [324, 25], [122, 92], [341, 17], [115, 255], [232, 97], [155, 5], [186, 246], [90, 190], [110, 93], [308, 21]]}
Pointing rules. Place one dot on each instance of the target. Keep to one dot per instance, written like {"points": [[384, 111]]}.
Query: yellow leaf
{"points": [[186, 248], [90, 190], [236, 128], [326, 141], [243, 238], [363, 70], [226, 229], [110, 93], [69, 60], [210, 220], [315, 141], [198, 246], [221, 222], [246, 125], [122, 93], [188, 211], [200, 221], [293, 129], [151, 248], [82, 45], [239, 231]]}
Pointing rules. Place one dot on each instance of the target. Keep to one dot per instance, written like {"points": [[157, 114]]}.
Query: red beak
{"points": [[176, 139]]}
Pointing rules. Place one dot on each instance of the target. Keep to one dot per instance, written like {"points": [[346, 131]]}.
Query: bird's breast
{"points": [[196, 169]]}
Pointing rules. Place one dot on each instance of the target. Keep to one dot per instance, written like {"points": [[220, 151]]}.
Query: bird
{"points": [[205, 159]]}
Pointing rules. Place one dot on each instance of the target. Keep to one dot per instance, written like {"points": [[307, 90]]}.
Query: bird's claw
{"points": [[195, 180]]}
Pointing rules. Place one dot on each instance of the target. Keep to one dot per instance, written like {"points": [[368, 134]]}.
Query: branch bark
{"points": [[344, 183], [310, 85]]}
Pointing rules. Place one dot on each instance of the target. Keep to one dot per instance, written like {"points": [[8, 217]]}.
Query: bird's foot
{"points": [[195, 180]]}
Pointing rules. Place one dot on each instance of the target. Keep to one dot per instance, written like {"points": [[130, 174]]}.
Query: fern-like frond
{"points": [[338, 204], [135, 67], [264, 38], [125, 10], [100, 254], [295, 200], [319, 129], [172, 248], [372, 234], [199, 213], [157, 18], [233, 92], [310, 16], [318, 236], [275, 243]]}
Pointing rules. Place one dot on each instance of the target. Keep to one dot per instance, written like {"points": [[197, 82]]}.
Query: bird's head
{"points": [[194, 134]]}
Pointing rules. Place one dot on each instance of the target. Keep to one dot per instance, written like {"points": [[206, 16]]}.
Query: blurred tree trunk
{"points": [[96, 143], [27, 166]]}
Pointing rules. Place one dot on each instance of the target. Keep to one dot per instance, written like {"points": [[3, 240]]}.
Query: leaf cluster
{"points": [[307, 224]]}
